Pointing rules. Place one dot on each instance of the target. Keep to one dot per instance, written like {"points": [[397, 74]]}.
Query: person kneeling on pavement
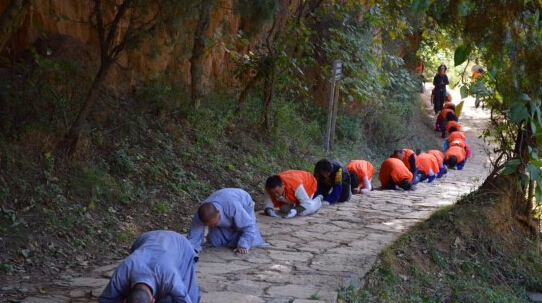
{"points": [[291, 192], [229, 214], [333, 181]]}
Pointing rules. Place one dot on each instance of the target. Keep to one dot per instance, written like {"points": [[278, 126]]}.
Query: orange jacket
{"points": [[362, 169], [459, 153], [406, 155], [428, 162], [438, 155], [461, 144], [448, 104], [449, 124], [442, 114], [395, 169], [457, 135], [291, 179]]}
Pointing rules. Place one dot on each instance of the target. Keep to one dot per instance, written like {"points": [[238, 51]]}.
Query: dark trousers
{"points": [[438, 100]]}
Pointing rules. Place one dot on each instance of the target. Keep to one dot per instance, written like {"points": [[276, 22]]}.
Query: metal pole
{"points": [[334, 116], [330, 111]]}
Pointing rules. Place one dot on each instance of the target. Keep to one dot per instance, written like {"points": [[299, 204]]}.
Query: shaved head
{"points": [[207, 212], [139, 295]]}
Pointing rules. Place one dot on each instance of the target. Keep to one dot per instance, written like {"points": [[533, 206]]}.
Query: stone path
{"points": [[310, 258]]}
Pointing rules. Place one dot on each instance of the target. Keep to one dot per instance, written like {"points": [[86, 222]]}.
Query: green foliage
{"points": [[419, 6], [461, 55], [42, 96]]}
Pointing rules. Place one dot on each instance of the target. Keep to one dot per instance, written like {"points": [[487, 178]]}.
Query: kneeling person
{"points": [[440, 161], [333, 181], [292, 193], [229, 214], [428, 167], [161, 267], [361, 173], [394, 172], [455, 157]]}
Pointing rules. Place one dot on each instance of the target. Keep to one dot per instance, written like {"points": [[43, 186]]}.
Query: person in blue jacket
{"points": [[229, 214], [161, 267], [333, 181]]}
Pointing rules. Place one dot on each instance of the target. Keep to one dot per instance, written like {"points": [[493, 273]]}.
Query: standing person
{"points": [[440, 81], [476, 70], [361, 172], [333, 181], [292, 193], [229, 214], [393, 173], [161, 267]]}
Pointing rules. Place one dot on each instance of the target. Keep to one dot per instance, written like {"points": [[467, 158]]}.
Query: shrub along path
{"points": [[310, 258]]}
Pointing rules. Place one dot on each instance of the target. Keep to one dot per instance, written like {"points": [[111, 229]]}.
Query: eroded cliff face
{"points": [[48, 18]]}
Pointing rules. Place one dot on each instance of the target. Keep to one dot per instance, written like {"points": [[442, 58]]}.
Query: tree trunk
{"points": [[198, 50], [523, 206], [244, 94], [267, 97], [12, 18], [71, 139]]}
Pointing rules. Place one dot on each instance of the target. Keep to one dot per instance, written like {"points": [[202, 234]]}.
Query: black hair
{"points": [[418, 151], [452, 162], [405, 184], [323, 165], [451, 117], [452, 129], [273, 181], [354, 181], [206, 212], [138, 295]]}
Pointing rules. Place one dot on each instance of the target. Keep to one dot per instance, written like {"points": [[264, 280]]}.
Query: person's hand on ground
{"points": [[325, 203], [271, 213], [291, 214], [241, 250]]}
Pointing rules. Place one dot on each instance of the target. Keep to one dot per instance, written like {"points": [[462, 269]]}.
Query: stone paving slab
{"points": [[310, 258]]}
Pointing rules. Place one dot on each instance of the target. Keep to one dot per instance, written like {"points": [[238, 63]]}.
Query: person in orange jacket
{"points": [[393, 173], [463, 144], [454, 135], [448, 117], [292, 193], [456, 126], [442, 118], [408, 156], [455, 157], [361, 172], [428, 167], [440, 161], [449, 105]]}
